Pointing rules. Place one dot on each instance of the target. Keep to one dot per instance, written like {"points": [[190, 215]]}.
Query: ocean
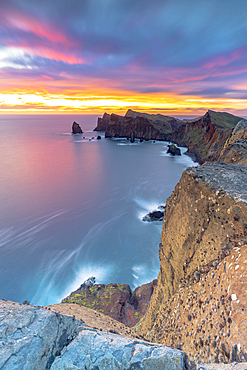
{"points": [[71, 208]]}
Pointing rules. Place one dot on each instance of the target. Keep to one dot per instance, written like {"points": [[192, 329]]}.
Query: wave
{"points": [[146, 207], [143, 274]]}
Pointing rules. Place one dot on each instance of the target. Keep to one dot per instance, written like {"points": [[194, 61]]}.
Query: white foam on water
{"points": [[143, 274], [146, 207]]}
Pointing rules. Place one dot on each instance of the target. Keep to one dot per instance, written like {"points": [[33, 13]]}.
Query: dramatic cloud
{"points": [[139, 47]]}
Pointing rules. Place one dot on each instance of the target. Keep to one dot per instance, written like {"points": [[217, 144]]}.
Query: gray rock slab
{"points": [[94, 350], [31, 336], [233, 366]]}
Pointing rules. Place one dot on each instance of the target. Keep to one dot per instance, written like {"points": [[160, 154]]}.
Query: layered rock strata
{"points": [[205, 219], [115, 300]]}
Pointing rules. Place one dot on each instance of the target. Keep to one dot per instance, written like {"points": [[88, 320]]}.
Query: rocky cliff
{"points": [[102, 123], [206, 136], [235, 148], [140, 125], [115, 300], [200, 301]]}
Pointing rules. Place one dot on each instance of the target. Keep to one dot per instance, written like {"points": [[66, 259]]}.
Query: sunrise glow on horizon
{"points": [[163, 57]]}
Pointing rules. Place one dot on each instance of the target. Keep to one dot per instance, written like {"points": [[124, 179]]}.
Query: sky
{"points": [[174, 57]]}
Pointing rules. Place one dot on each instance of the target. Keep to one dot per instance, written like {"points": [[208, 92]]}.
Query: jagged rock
{"points": [[76, 129], [173, 150], [93, 350], [205, 136], [115, 300], [235, 148], [103, 122], [204, 233], [31, 336], [142, 125], [153, 216], [88, 282]]}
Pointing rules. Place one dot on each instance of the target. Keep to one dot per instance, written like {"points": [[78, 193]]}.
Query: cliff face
{"points": [[115, 300], [205, 137], [102, 122], [205, 219], [235, 148], [140, 125]]}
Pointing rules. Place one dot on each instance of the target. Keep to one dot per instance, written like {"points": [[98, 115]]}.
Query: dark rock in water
{"points": [[141, 140], [154, 216], [98, 137], [132, 137], [173, 149], [76, 129]]}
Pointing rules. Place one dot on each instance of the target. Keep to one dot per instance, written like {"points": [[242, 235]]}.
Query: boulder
{"points": [[93, 350], [31, 336], [173, 150], [76, 129]]}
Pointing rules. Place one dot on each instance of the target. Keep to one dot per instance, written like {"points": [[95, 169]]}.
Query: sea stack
{"points": [[76, 128]]}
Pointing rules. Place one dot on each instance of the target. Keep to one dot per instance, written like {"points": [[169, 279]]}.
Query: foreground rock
{"points": [[76, 129], [92, 350], [115, 300], [31, 337], [199, 304]]}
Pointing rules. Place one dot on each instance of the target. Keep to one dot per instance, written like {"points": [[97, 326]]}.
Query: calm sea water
{"points": [[71, 208]]}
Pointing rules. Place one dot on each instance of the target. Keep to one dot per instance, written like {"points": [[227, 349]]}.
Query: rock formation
{"points": [[76, 129], [206, 136], [115, 300], [235, 148], [34, 338], [204, 232], [92, 350], [173, 150], [156, 215], [102, 122]]}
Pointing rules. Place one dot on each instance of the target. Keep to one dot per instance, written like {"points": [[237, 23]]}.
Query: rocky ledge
{"points": [[32, 337], [199, 304]]}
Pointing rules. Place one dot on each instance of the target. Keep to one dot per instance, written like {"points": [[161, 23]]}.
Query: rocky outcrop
{"points": [[173, 150], [102, 122], [206, 136], [93, 350], [76, 128], [31, 336], [115, 300], [204, 232], [156, 215], [235, 148], [141, 126]]}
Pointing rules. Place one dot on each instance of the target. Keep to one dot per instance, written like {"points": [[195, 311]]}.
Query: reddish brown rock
{"points": [[115, 300]]}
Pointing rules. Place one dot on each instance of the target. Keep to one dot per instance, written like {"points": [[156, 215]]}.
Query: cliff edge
{"points": [[200, 301]]}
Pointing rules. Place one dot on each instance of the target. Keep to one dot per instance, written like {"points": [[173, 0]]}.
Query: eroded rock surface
{"points": [[235, 148], [92, 350], [31, 336], [205, 221], [115, 300]]}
